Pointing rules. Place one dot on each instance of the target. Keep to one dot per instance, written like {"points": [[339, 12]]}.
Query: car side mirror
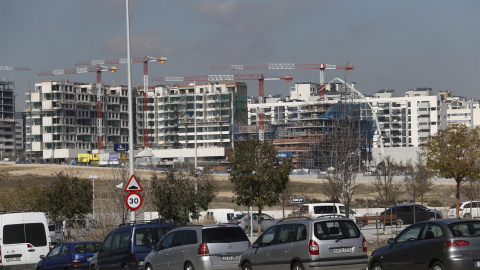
{"points": [[255, 245], [391, 241], [42, 257], [156, 247]]}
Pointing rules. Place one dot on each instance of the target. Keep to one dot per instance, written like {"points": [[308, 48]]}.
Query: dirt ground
{"points": [[308, 186]]}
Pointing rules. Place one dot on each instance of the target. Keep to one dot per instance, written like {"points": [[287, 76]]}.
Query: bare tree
{"points": [[332, 187], [387, 189], [417, 180]]}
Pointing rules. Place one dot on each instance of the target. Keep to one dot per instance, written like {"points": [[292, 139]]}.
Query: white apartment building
{"points": [[62, 120]]}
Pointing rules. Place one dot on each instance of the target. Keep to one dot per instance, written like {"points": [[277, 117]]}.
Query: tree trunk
{"points": [[259, 221], [457, 197]]}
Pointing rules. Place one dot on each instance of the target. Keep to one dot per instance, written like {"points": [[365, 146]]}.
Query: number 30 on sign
{"points": [[133, 200]]}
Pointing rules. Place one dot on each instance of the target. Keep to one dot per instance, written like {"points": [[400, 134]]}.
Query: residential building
{"points": [[7, 120], [62, 119]]}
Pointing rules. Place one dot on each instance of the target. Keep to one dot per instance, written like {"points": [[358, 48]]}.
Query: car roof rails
{"points": [[295, 218]]}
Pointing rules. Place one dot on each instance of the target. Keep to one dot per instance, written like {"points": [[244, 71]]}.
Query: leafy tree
{"points": [[175, 197], [387, 189], [454, 153], [67, 198], [258, 175], [417, 181]]}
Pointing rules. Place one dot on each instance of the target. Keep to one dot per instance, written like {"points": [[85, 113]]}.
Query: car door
{"points": [[281, 251], [261, 257], [104, 252], [51, 259], [161, 252], [401, 254], [421, 213], [176, 255], [65, 258], [431, 244]]}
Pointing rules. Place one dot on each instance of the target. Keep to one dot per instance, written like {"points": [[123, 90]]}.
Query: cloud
{"points": [[144, 44]]}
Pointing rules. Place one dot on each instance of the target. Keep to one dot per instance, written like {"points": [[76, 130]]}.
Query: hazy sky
{"points": [[391, 44]]}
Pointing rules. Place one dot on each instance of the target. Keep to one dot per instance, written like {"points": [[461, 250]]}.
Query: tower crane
{"points": [[98, 69], [145, 60], [236, 77], [320, 67], [8, 68]]}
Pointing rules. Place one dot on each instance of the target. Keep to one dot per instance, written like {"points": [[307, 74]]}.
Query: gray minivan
{"points": [[199, 247], [306, 243]]}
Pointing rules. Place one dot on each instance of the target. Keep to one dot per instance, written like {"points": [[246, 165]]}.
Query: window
{"points": [[191, 237], [179, 238], [431, 231], [301, 233], [107, 244], [167, 240], [144, 237], [65, 250], [409, 234], [55, 252], [286, 233], [268, 236], [336, 230], [33, 233]]}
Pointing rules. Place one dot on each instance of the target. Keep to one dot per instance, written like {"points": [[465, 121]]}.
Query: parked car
{"points": [[23, 238], [243, 221], [325, 209], [306, 243], [405, 212], [199, 247], [436, 244], [468, 209], [69, 255], [126, 247]]}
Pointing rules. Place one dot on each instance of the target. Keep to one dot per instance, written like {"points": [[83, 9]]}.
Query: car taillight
{"points": [[76, 262], [364, 244], [133, 258], [203, 250], [29, 245], [313, 248], [50, 245], [239, 222], [457, 243], [249, 244]]}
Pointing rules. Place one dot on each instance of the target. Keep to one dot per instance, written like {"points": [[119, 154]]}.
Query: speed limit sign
{"points": [[133, 200]]}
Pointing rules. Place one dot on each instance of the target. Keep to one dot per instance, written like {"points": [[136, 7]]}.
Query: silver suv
{"points": [[305, 243], [199, 247]]}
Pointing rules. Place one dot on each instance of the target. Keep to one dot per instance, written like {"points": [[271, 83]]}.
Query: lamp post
{"points": [[195, 129], [93, 177]]}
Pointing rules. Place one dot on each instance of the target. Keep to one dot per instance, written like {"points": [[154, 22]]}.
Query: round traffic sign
{"points": [[133, 200]]}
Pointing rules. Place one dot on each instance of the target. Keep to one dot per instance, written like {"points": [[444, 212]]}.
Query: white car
{"points": [[468, 209]]}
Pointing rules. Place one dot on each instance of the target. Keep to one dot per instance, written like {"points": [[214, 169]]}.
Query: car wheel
{"points": [[125, 267], [189, 266], [246, 266], [148, 267], [438, 266], [297, 266], [377, 266], [93, 267]]}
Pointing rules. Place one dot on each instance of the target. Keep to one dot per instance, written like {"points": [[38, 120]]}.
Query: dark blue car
{"points": [[69, 255]]}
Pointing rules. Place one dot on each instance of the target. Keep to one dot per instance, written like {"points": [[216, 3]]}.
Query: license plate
{"points": [[342, 250], [13, 259], [229, 258]]}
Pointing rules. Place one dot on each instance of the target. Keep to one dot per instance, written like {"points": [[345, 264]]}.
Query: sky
{"points": [[396, 45]]}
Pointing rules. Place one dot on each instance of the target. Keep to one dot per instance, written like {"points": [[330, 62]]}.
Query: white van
{"points": [[220, 215], [23, 238], [325, 209]]}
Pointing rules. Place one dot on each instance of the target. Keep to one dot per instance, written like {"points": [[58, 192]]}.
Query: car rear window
{"points": [[239, 216], [326, 209], [223, 235], [33, 233], [469, 228], [84, 248], [336, 229]]}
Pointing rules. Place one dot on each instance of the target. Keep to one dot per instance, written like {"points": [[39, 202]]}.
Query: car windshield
{"points": [[468, 228]]}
